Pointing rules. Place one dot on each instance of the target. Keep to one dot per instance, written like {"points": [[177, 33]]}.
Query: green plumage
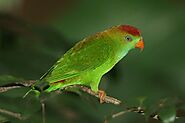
{"points": [[88, 61]]}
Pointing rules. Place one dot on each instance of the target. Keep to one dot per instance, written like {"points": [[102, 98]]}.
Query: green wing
{"points": [[84, 56]]}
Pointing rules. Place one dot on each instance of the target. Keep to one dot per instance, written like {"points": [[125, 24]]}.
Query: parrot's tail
{"points": [[32, 90], [27, 93]]}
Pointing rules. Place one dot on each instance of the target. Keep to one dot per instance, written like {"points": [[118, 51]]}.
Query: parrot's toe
{"points": [[102, 96]]}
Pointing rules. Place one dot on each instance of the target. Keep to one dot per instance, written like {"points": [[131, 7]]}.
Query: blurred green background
{"points": [[35, 33]]}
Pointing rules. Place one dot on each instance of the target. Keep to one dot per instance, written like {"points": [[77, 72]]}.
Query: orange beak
{"points": [[140, 44]]}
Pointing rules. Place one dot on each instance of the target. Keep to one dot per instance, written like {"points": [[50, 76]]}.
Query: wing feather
{"points": [[84, 56]]}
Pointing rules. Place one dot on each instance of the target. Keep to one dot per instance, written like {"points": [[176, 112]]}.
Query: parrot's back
{"points": [[87, 60]]}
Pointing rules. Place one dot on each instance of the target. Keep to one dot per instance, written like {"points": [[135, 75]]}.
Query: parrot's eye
{"points": [[128, 38]]}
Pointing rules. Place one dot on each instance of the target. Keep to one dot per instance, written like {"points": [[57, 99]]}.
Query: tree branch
{"points": [[138, 110], [107, 99], [10, 86], [29, 83], [12, 114]]}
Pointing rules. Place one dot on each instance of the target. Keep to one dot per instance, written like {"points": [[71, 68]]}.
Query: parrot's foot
{"points": [[102, 96]]}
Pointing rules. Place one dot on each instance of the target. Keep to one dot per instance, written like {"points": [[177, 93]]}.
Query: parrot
{"points": [[89, 59]]}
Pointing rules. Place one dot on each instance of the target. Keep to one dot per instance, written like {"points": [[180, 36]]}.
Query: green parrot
{"points": [[90, 59]]}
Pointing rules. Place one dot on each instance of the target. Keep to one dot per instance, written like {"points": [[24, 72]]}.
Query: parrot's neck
{"points": [[120, 51], [120, 55]]}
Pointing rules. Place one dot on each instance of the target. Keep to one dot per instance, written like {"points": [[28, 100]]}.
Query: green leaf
{"points": [[168, 114]]}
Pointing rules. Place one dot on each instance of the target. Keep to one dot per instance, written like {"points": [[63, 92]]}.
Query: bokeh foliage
{"points": [[29, 45]]}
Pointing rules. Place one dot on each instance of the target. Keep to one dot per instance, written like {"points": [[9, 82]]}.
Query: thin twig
{"points": [[43, 112], [27, 83], [4, 89], [132, 109], [12, 114], [141, 111], [15, 85]]}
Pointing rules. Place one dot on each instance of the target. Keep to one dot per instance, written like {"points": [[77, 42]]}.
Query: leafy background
{"points": [[34, 34]]}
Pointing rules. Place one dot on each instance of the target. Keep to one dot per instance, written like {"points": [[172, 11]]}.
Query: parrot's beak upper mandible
{"points": [[140, 44]]}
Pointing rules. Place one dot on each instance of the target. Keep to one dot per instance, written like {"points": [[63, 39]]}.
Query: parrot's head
{"points": [[130, 37]]}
